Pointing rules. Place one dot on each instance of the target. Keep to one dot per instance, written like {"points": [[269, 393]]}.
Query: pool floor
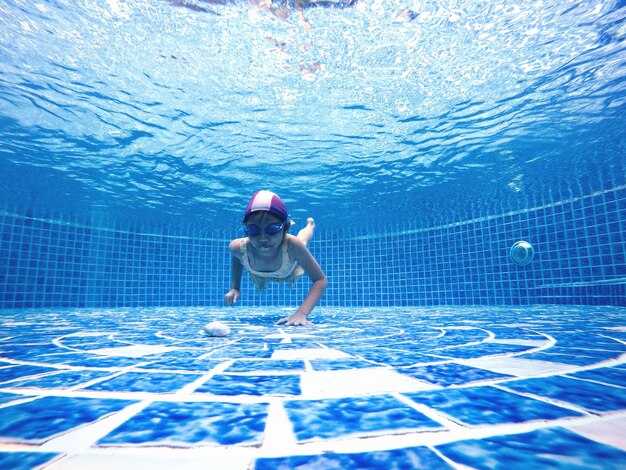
{"points": [[440, 387]]}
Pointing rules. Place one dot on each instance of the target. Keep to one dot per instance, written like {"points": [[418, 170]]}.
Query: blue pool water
{"points": [[425, 138], [381, 114]]}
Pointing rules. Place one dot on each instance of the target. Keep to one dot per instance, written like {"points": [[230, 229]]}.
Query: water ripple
{"points": [[148, 110]]}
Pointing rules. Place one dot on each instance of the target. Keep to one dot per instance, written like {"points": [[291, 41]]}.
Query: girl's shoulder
{"points": [[294, 243], [291, 239], [235, 246]]}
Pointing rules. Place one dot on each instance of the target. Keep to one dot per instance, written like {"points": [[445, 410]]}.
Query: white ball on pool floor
{"points": [[216, 328]]}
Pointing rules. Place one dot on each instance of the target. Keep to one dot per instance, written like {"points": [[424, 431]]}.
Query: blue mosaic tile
{"points": [[543, 448], [276, 365], [410, 457], [340, 364], [588, 395], [84, 344], [235, 351], [608, 375], [186, 364], [615, 334], [183, 424], [390, 357], [480, 350], [63, 358], [257, 385], [62, 379], [39, 420], [591, 351], [515, 333], [342, 417], [254, 339], [25, 460], [296, 345], [605, 344], [560, 358], [105, 362], [154, 382], [450, 374], [592, 341], [460, 337], [87, 343], [577, 357], [252, 317], [26, 352], [182, 354], [374, 338], [18, 372], [488, 405]]}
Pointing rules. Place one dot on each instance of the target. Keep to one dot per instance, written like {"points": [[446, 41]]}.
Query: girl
{"points": [[269, 253]]}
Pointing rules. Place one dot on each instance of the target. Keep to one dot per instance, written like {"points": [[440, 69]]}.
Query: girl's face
{"points": [[265, 243]]}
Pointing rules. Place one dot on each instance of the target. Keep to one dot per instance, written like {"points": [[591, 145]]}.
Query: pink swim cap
{"points": [[267, 201]]}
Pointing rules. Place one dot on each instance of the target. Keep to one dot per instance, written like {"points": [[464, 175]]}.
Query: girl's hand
{"points": [[232, 297], [297, 319]]}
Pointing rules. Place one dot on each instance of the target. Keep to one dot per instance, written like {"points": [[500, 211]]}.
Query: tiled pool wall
{"points": [[579, 242]]}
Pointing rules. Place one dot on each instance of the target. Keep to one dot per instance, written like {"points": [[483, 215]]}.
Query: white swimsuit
{"points": [[287, 272]]}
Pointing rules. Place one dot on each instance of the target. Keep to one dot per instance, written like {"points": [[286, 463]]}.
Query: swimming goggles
{"points": [[270, 229]]}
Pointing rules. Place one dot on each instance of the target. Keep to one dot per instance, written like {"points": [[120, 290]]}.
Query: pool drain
{"points": [[522, 253]]}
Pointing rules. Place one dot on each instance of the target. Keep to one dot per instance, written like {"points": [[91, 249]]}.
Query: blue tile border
{"points": [[395, 357], [266, 366], [591, 396], [61, 380], [254, 385], [344, 417], [481, 350], [153, 382], [489, 405], [411, 457], [606, 375], [26, 460], [183, 364], [451, 374], [340, 364], [39, 420], [9, 397], [22, 371], [543, 448], [185, 424]]}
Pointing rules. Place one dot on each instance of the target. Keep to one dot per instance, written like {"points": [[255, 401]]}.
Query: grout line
{"points": [[441, 418], [548, 400], [84, 437], [279, 437], [191, 387]]}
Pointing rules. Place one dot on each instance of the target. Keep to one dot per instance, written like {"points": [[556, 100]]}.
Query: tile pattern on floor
{"points": [[458, 387]]}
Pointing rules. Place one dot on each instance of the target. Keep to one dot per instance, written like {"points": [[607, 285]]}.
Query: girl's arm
{"points": [[236, 270], [305, 259]]}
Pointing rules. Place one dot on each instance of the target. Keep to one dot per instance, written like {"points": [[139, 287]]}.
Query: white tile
{"points": [[517, 367], [125, 460], [137, 350], [309, 353], [608, 431], [347, 383]]}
